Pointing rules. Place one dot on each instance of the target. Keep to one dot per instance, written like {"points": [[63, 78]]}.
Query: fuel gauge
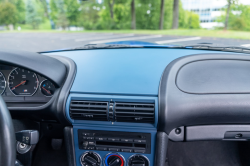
{"points": [[47, 88]]}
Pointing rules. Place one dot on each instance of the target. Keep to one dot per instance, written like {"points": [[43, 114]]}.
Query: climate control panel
{"points": [[112, 159]]}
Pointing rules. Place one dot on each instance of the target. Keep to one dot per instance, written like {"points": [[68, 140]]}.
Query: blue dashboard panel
{"points": [[135, 71], [102, 154]]}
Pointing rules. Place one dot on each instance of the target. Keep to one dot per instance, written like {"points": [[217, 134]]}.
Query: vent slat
{"points": [[136, 108], [89, 106], [88, 110], [84, 110], [135, 112]]}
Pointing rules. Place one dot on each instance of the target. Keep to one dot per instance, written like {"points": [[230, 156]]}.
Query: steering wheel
{"points": [[7, 137]]}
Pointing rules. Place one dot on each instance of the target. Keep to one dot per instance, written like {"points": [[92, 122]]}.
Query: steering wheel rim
{"points": [[7, 137]]}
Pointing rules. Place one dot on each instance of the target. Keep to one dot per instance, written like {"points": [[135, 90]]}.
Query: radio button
{"points": [[126, 150], [113, 139], [139, 151], [100, 138], [114, 149], [92, 143], [101, 148], [127, 140], [91, 148], [140, 141], [86, 134]]}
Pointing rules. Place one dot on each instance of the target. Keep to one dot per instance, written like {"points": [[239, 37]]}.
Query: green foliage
{"points": [[8, 14], [238, 18], [188, 20], [59, 13], [65, 12], [20, 8], [33, 16], [96, 16], [72, 10], [121, 18]]}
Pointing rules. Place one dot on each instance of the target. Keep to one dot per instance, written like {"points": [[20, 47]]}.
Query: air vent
{"points": [[88, 110], [135, 112]]}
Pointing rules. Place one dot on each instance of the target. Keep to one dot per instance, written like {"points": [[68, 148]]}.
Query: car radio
{"points": [[114, 141]]}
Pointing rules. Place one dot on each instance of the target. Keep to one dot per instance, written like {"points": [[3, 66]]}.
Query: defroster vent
{"points": [[88, 110], [135, 112]]}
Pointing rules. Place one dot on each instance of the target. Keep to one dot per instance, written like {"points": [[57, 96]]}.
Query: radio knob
{"points": [[85, 143]]}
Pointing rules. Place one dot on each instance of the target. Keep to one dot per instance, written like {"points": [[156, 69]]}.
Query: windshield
{"points": [[42, 25]]}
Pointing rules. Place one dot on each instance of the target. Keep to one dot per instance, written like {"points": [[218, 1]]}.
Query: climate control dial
{"points": [[90, 159], [138, 160], [114, 159]]}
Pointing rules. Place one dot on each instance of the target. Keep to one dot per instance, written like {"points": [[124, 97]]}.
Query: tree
{"points": [[111, 8], [8, 14], [32, 14], [162, 15], [72, 11], [175, 24], [59, 13], [229, 3], [133, 16]]}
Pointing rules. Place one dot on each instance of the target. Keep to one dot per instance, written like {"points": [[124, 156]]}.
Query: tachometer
{"points": [[23, 82], [2, 83], [47, 88]]}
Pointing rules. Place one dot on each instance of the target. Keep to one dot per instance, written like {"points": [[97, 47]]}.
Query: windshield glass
{"points": [[42, 25]]}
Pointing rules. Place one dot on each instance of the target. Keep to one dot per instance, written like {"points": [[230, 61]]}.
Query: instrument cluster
{"points": [[21, 82]]}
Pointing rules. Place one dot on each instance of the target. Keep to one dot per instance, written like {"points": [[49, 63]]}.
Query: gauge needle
{"points": [[18, 85], [46, 90]]}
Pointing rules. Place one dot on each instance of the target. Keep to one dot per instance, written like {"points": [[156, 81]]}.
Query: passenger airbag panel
{"points": [[215, 76]]}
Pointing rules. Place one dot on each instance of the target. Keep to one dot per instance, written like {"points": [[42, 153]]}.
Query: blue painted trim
{"points": [[90, 97], [120, 94], [103, 154]]}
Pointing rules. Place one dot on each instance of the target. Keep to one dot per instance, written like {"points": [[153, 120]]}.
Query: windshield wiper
{"points": [[104, 46], [195, 47], [218, 48]]}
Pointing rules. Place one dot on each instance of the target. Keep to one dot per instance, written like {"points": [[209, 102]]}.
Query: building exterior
{"points": [[208, 10]]}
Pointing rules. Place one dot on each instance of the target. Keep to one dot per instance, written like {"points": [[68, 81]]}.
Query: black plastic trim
{"points": [[65, 90], [69, 143], [161, 149], [178, 108], [43, 65]]}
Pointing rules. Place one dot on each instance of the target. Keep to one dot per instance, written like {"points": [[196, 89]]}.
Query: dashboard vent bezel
{"points": [[88, 110], [134, 112]]}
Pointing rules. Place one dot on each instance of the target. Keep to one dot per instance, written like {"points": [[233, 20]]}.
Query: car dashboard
{"points": [[121, 106]]}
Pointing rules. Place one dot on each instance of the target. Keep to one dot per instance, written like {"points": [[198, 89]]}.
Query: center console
{"points": [[113, 130]]}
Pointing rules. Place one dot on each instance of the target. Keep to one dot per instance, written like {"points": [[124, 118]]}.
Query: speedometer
{"points": [[23, 82]]}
